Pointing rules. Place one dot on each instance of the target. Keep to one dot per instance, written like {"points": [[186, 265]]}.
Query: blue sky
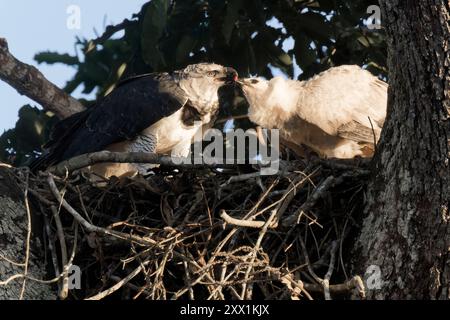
{"points": [[34, 26]]}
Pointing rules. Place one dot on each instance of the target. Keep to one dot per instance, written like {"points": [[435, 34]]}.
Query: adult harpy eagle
{"points": [[158, 112], [338, 113]]}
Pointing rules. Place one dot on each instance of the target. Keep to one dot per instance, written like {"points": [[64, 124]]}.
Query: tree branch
{"points": [[89, 159], [29, 81]]}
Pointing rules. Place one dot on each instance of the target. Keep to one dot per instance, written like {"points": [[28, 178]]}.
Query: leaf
{"points": [[304, 54], [327, 5], [54, 57], [231, 16], [29, 129], [186, 45], [30, 132], [71, 85], [153, 26]]}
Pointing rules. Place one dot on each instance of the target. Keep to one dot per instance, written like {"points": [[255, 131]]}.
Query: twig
{"points": [[296, 287], [188, 280], [242, 177], [282, 205], [90, 227], [354, 283], [51, 246], [119, 284], [2, 164], [244, 223], [28, 240], [246, 290], [341, 242], [18, 264], [62, 243], [317, 194], [290, 194], [128, 285], [112, 29], [326, 280]]}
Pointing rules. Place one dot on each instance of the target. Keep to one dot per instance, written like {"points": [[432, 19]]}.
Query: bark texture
{"points": [[13, 240], [29, 81], [406, 228]]}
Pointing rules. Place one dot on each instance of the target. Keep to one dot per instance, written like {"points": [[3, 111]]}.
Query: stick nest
{"points": [[206, 233]]}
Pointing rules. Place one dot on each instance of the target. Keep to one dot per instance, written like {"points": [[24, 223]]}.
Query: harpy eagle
{"points": [[159, 112], [338, 113]]}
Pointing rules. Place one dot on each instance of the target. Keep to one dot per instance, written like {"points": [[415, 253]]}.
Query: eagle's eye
{"points": [[212, 73], [254, 81]]}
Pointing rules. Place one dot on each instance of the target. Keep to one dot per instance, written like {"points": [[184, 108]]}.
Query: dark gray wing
{"points": [[130, 108]]}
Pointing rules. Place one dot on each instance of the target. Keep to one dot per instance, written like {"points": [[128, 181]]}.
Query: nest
{"points": [[206, 233]]}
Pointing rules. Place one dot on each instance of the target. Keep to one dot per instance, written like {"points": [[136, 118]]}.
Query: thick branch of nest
{"points": [[89, 159]]}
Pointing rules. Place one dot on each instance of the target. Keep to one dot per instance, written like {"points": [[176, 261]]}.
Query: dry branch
{"points": [[89, 159], [244, 223], [354, 285], [29, 81], [189, 254], [90, 227], [320, 192]]}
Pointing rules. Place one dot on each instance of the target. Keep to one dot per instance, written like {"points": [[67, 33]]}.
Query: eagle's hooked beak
{"points": [[231, 76]]}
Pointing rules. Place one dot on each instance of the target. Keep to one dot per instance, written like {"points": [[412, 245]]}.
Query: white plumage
{"points": [[338, 113]]}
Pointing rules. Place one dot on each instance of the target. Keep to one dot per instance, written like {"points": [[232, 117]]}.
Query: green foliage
{"points": [[153, 26], [54, 57], [168, 34]]}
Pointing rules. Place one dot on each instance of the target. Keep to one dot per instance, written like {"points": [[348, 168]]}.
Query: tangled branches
{"points": [[205, 233]]}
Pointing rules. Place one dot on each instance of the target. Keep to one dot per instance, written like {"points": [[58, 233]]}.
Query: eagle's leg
{"points": [[143, 143]]}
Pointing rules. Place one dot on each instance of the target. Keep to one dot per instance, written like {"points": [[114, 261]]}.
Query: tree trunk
{"points": [[13, 243], [405, 231]]}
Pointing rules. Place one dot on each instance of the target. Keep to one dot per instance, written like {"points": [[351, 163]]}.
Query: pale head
{"points": [[269, 99], [261, 87], [254, 85], [202, 81]]}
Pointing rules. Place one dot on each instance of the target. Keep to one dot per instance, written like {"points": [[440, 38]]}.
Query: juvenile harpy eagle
{"points": [[158, 112], [338, 113]]}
